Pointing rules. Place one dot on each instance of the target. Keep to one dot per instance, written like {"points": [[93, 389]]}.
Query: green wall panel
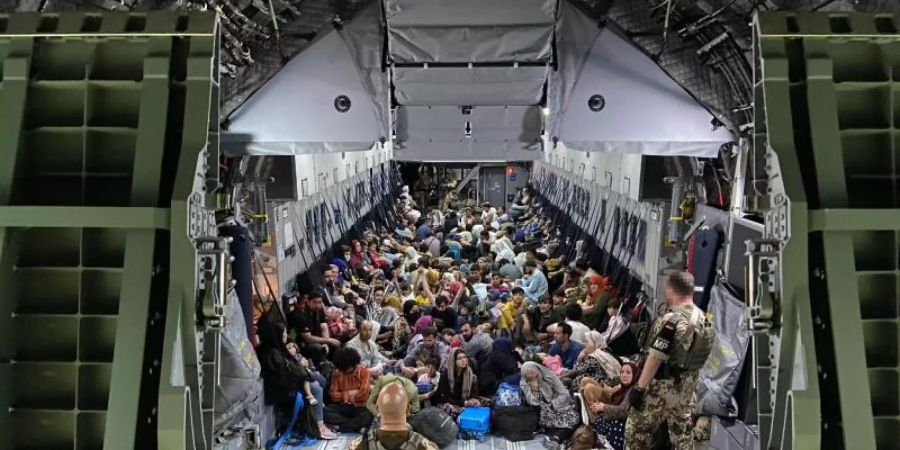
{"points": [[94, 113], [828, 111]]}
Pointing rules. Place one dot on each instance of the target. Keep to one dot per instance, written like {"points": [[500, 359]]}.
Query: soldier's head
{"points": [[679, 288], [392, 404]]}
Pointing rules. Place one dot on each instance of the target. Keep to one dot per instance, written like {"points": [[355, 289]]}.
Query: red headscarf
{"points": [[423, 323], [600, 282], [356, 257]]}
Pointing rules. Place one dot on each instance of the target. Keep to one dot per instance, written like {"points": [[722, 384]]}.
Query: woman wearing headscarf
{"points": [[421, 324], [357, 259], [594, 361], [608, 417], [403, 328], [458, 386], [595, 300], [389, 311], [285, 373], [376, 260], [501, 362], [541, 388]]}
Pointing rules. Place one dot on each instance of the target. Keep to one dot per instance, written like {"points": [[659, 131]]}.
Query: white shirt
{"points": [[370, 357], [578, 330], [476, 232], [617, 326]]}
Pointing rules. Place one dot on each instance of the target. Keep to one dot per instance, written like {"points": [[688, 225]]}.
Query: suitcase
{"points": [[474, 423]]}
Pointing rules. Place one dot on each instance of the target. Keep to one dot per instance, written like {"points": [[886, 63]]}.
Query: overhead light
{"points": [[545, 111]]}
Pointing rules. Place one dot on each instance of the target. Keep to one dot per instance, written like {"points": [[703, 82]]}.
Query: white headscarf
{"points": [[551, 388]]}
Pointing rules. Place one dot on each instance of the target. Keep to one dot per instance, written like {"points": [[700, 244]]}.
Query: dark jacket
{"points": [[453, 394], [282, 375], [497, 366]]}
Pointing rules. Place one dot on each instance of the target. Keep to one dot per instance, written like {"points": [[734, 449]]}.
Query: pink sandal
{"points": [[326, 434]]}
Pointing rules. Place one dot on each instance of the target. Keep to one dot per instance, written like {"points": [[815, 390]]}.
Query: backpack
{"points": [[507, 395], [516, 423], [704, 337], [435, 425]]}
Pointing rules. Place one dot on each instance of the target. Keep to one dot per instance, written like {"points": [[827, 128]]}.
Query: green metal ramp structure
{"points": [[108, 162], [827, 297]]}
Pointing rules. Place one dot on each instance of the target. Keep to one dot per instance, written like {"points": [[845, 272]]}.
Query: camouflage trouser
{"points": [[671, 401]]}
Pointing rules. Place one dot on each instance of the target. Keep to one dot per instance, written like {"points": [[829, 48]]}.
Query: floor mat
{"points": [[491, 443]]}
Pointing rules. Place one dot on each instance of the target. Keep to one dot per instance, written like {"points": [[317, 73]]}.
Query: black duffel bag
{"points": [[516, 423], [436, 425]]}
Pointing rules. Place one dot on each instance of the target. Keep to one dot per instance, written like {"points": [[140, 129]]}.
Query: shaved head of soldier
{"points": [[392, 407]]}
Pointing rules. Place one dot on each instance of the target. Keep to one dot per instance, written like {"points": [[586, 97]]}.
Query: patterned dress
{"points": [[402, 332], [554, 414]]}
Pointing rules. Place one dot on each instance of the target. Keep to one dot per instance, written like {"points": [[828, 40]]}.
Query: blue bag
{"points": [[508, 395], [424, 387], [474, 423]]}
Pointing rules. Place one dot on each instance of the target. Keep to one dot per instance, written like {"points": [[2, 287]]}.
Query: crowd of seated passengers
{"points": [[453, 305]]}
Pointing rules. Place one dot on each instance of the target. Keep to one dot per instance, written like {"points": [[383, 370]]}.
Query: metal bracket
{"points": [[214, 257], [763, 300]]}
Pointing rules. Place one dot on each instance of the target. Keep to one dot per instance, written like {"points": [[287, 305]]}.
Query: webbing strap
{"points": [[289, 431]]}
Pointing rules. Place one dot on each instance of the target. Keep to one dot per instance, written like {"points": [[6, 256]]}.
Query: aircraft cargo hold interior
{"points": [[466, 225]]}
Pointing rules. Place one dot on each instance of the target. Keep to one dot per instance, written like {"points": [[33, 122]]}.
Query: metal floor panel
{"points": [[492, 443]]}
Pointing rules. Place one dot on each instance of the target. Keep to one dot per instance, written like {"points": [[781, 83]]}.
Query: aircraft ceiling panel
{"points": [[445, 133], [484, 13], [639, 108], [301, 103], [467, 151], [436, 31], [483, 124], [479, 86]]}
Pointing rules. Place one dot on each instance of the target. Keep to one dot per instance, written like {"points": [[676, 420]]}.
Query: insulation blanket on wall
{"points": [[719, 377], [242, 250], [239, 396]]}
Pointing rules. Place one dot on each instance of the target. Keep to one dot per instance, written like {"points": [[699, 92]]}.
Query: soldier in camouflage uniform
{"points": [[677, 346], [393, 433]]}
